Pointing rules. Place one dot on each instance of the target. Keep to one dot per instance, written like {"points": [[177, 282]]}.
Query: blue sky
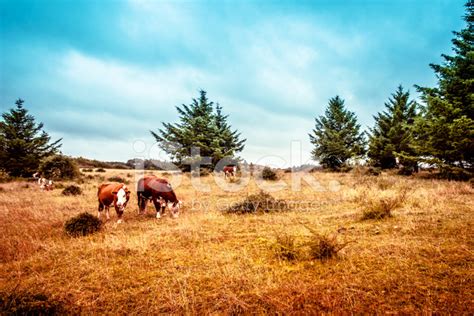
{"points": [[101, 74]]}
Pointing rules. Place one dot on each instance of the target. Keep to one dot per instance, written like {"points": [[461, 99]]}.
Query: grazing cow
{"points": [[113, 193], [45, 184], [160, 192], [229, 171]]}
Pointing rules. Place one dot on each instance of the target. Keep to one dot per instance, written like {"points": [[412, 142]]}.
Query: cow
{"points": [[45, 184], [160, 192], [113, 193], [229, 171]]}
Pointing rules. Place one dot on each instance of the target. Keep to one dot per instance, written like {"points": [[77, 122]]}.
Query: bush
{"points": [[72, 190], [118, 179], [30, 304], [58, 167], [87, 170], [268, 174], [382, 207], [203, 172], [82, 225], [100, 170], [323, 247], [258, 203]]}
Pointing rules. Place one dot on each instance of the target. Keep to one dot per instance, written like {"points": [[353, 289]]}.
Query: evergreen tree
{"points": [[446, 129], [336, 136], [200, 125], [393, 132], [23, 143]]}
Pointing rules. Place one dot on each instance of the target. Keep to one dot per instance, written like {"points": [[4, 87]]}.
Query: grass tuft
{"points": [[72, 190], [258, 203], [30, 304], [82, 225]]}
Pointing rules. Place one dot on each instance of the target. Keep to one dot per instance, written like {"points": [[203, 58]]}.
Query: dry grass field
{"points": [[418, 260]]}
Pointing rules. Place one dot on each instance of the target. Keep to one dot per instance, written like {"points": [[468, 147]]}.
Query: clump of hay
{"points": [[258, 203], [323, 247], [82, 225], [72, 190], [30, 304]]}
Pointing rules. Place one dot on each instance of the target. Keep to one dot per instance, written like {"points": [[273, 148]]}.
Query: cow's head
{"points": [[122, 196], [174, 208]]}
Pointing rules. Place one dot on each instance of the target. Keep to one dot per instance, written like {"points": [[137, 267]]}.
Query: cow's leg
{"points": [[143, 203], [101, 208], [157, 204], [119, 214], [107, 212]]}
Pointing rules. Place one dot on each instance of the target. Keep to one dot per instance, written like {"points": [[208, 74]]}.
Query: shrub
{"points": [[118, 179], [100, 170], [268, 174], [382, 207], [323, 247], [72, 190], [30, 304], [373, 171], [87, 170], [82, 225], [58, 167], [203, 172], [258, 203], [286, 248]]}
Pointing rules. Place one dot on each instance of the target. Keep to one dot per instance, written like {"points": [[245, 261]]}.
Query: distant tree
{"points": [[336, 136], [200, 126], [393, 132], [23, 143], [58, 167], [445, 132]]}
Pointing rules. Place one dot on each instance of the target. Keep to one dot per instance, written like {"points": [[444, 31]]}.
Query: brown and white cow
{"points": [[113, 193], [160, 192], [229, 171]]}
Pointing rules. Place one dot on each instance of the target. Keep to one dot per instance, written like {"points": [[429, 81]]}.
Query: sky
{"points": [[102, 74]]}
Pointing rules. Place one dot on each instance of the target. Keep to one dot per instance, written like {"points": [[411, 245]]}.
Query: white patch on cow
{"points": [[158, 215], [119, 221], [121, 198], [174, 209]]}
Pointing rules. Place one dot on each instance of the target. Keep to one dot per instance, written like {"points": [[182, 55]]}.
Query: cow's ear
{"points": [[114, 192]]}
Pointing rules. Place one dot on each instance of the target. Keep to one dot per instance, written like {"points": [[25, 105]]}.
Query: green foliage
{"points": [[202, 127], [393, 132], [23, 143], [82, 225], [59, 167], [268, 174], [445, 133], [72, 190], [336, 136]]}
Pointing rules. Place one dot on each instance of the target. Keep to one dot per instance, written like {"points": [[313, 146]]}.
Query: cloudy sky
{"points": [[101, 74]]}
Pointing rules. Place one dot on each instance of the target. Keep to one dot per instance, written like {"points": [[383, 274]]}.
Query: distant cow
{"points": [[229, 171], [113, 193], [160, 192], [44, 184]]}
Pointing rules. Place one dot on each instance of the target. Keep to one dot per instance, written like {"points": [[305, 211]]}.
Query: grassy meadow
{"points": [[417, 259]]}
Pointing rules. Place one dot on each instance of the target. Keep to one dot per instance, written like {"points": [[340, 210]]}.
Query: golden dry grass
{"points": [[420, 260]]}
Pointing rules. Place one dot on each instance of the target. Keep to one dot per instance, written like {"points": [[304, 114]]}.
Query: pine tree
{"points": [[23, 143], [393, 132], [336, 136], [200, 125], [446, 129]]}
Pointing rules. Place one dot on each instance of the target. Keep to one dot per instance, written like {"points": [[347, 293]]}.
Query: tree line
{"points": [[437, 132]]}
